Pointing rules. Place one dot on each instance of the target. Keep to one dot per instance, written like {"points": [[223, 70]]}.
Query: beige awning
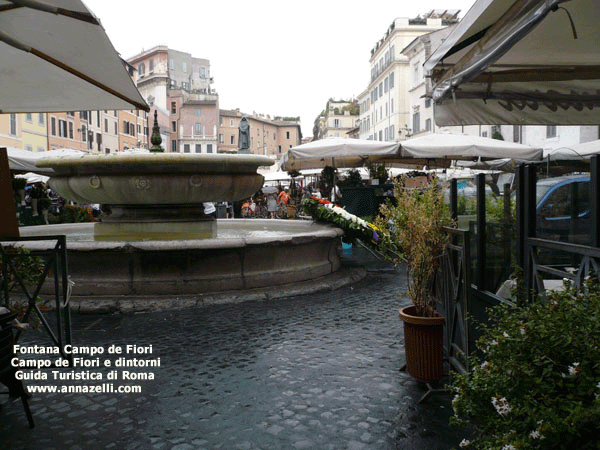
{"points": [[55, 56], [520, 62]]}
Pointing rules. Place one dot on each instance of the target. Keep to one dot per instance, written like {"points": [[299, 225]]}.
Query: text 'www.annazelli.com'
{"points": [[104, 388]]}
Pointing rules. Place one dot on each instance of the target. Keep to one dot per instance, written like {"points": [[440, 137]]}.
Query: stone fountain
{"points": [[157, 249]]}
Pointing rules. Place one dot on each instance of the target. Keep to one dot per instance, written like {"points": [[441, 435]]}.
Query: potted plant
{"points": [[535, 383], [413, 228]]}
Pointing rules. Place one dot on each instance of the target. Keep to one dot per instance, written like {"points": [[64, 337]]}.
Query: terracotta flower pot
{"points": [[423, 345]]}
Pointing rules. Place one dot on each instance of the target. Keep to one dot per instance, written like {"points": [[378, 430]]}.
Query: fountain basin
{"points": [[155, 195], [246, 255]]}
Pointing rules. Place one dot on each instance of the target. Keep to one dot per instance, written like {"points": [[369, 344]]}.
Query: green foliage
{"points": [[494, 209], [353, 179], [537, 385], [18, 183], [414, 228], [23, 268], [75, 214], [497, 135], [328, 174], [378, 172]]}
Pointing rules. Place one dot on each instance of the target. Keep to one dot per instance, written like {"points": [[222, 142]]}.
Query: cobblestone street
{"points": [[310, 372]]}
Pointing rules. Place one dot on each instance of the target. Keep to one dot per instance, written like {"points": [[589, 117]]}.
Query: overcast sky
{"points": [[274, 57]]}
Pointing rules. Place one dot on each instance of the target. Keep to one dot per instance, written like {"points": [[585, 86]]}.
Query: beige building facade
{"points": [[337, 120], [180, 84], [269, 137], [385, 108]]}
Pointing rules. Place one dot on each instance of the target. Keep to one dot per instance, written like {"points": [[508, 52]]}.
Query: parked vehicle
{"points": [[563, 209]]}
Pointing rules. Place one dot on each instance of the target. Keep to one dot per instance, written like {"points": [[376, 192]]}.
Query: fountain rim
{"points": [[214, 162]]}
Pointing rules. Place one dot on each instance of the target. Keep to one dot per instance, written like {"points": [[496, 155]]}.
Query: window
{"points": [[173, 107], [198, 112], [139, 129], [231, 122], [186, 148], [221, 139], [141, 69], [132, 129], [336, 124], [125, 127], [151, 66], [287, 133], [198, 148], [98, 119], [41, 120], [516, 133], [416, 122], [29, 147], [83, 115], [380, 136], [427, 103], [83, 132], [106, 125], [484, 134], [551, 131], [116, 127], [184, 67], [198, 129], [209, 148], [173, 146], [62, 128], [13, 124], [172, 64], [232, 140], [428, 125], [70, 130], [391, 80], [174, 126], [53, 126], [380, 89], [28, 117], [385, 85]]}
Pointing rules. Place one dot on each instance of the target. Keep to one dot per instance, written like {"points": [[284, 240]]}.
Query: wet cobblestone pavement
{"points": [[311, 372]]}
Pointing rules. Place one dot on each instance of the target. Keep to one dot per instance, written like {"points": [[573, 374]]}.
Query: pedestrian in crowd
{"points": [[210, 209], [271, 204], [336, 193]]}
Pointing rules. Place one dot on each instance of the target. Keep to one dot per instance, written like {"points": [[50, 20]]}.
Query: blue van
{"points": [[563, 209]]}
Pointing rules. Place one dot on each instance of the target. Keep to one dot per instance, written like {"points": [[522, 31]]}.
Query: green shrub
{"points": [[537, 383]]}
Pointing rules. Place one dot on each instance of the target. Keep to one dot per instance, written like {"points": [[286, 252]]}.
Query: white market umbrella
{"points": [[55, 56], [24, 160], [337, 152], [462, 147], [520, 62], [575, 152]]}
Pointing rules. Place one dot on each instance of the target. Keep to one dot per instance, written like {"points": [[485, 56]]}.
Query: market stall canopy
{"points": [[337, 152], [576, 152], [520, 62], [24, 160], [433, 149], [55, 56]]}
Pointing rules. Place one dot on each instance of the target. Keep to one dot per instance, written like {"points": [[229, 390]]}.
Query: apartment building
{"points": [[27, 131], [269, 137], [385, 110], [337, 120], [180, 84]]}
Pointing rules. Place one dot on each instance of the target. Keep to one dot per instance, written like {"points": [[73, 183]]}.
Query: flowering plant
{"points": [[354, 227], [537, 382]]}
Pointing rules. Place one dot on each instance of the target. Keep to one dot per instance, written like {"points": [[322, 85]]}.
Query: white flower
{"points": [[535, 434], [523, 332], [501, 405], [505, 334], [598, 385], [508, 447], [464, 443], [485, 364], [573, 369]]}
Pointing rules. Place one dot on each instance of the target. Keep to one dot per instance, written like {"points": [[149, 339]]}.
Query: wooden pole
{"points": [[9, 227]]}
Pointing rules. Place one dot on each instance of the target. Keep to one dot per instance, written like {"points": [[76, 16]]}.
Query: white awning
{"points": [[55, 56], [520, 62]]}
